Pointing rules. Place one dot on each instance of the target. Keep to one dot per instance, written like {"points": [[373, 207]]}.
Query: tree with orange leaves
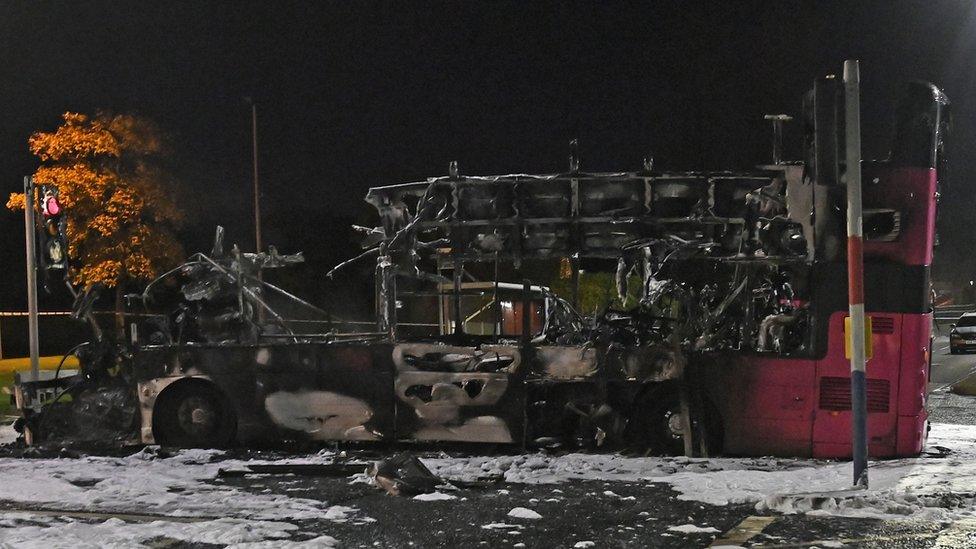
{"points": [[117, 199]]}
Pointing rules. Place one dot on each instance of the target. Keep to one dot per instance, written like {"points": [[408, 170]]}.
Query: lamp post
{"points": [[257, 191], [257, 195]]}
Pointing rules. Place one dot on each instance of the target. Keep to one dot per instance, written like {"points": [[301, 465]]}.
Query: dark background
{"points": [[354, 94]]}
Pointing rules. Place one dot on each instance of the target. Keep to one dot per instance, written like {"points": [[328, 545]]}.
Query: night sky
{"points": [[354, 94]]}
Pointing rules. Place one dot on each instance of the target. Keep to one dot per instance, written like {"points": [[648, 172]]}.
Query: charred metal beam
{"points": [[331, 470], [251, 295], [456, 297], [386, 294]]}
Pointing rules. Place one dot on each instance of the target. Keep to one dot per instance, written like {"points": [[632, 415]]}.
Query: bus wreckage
{"points": [[730, 338]]}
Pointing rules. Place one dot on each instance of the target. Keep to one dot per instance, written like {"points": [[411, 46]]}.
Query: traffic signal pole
{"points": [[855, 272], [30, 226]]}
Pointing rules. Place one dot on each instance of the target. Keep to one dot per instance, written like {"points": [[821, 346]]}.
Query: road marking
{"points": [[749, 528]]}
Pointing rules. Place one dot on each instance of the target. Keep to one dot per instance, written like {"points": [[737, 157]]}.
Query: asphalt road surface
{"points": [[948, 369], [599, 512]]}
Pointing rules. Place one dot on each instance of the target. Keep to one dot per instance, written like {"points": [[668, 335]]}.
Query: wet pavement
{"points": [[608, 514], [947, 369]]}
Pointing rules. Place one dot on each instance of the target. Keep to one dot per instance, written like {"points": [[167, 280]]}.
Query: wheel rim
{"points": [[674, 423], [197, 416]]}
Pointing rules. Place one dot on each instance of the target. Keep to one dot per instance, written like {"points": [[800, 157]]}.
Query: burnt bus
{"points": [[732, 339]]}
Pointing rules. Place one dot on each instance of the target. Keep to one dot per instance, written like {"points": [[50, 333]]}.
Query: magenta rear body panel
{"points": [[801, 407]]}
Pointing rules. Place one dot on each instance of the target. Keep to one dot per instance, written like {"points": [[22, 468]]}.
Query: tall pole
{"points": [[31, 235], [855, 271], [257, 191], [257, 197]]}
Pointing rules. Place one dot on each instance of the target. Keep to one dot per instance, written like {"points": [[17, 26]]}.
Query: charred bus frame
{"points": [[735, 344]]}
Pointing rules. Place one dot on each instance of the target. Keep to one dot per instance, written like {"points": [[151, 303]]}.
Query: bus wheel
{"points": [[657, 423], [193, 415]]}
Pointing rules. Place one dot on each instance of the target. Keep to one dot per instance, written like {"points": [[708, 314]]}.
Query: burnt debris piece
{"points": [[339, 470], [404, 475]]}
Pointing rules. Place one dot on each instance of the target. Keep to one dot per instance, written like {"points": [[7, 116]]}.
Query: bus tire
{"points": [[193, 414], [656, 426], [651, 424]]}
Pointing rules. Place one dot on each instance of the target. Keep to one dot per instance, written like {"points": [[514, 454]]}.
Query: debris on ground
{"points": [[404, 475]]}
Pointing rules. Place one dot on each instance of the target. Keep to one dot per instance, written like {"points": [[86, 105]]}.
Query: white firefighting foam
{"points": [[935, 488]]}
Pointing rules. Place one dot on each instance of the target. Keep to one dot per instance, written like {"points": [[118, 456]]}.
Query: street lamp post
{"points": [[257, 197], [257, 191]]}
